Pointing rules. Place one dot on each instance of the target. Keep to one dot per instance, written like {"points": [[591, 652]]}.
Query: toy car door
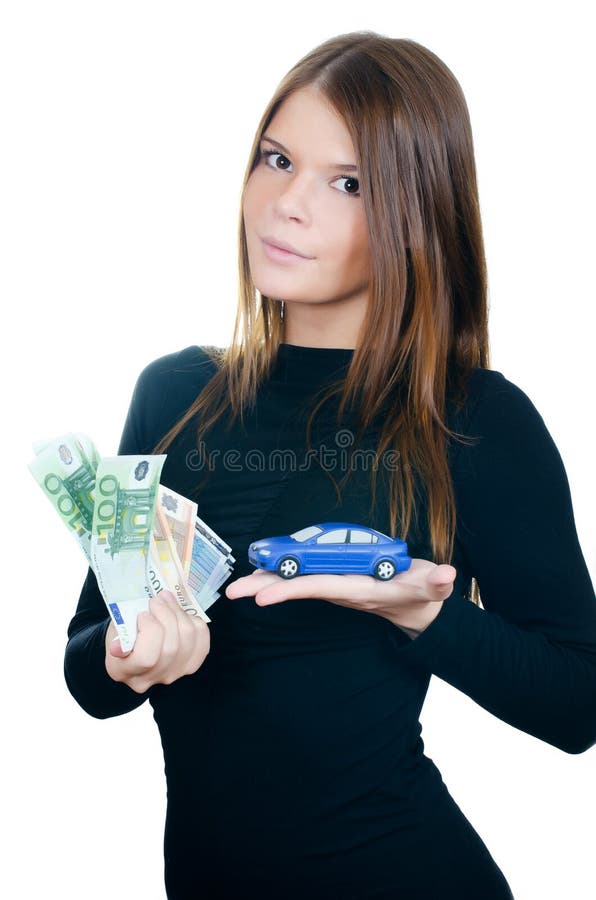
{"points": [[359, 550], [328, 552]]}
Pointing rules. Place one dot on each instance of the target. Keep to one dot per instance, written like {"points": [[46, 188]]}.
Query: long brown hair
{"points": [[425, 326]]}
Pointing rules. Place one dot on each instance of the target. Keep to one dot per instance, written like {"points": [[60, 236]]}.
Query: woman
{"points": [[290, 729]]}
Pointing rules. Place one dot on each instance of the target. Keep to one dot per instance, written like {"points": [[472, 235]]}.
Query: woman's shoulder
{"points": [[194, 363], [498, 416], [164, 390], [490, 395], [181, 375]]}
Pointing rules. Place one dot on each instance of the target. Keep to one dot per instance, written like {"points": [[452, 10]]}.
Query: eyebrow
{"points": [[345, 166]]}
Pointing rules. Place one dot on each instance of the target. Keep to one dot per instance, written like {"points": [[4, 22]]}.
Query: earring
{"points": [[283, 308]]}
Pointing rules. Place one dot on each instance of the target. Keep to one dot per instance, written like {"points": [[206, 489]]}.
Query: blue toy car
{"points": [[339, 547]]}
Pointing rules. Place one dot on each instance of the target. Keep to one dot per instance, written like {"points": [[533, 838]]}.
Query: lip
{"points": [[281, 249]]}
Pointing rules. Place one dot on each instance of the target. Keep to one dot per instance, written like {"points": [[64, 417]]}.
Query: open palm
{"points": [[411, 599]]}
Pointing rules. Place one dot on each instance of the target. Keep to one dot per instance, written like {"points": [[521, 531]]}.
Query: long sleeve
{"points": [[528, 657], [84, 661]]}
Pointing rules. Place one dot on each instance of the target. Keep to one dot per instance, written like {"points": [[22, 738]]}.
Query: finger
{"points": [[440, 582], [184, 636], [443, 574], [189, 629], [151, 630], [164, 607], [115, 649], [248, 585], [197, 645]]}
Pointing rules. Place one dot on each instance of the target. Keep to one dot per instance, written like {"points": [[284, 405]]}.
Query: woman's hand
{"points": [[411, 599], [170, 643]]}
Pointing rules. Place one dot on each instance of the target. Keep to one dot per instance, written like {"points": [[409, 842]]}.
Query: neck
{"points": [[330, 325]]}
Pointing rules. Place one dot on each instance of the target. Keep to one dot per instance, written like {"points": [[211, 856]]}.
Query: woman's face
{"points": [[303, 191]]}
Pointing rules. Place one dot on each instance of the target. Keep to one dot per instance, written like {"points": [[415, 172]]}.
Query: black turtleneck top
{"points": [[294, 760]]}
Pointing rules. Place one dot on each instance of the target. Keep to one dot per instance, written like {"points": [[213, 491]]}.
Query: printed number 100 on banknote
{"points": [[123, 517]]}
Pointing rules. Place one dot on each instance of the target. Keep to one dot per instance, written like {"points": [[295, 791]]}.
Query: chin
{"points": [[280, 289], [279, 296]]}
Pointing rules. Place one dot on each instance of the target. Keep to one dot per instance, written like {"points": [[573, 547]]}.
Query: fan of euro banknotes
{"points": [[138, 536]]}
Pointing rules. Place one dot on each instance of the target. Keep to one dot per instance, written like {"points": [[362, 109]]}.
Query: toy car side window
{"points": [[333, 537], [360, 537]]}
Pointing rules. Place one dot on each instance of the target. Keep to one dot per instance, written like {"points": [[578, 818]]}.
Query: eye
{"points": [[355, 192], [268, 154]]}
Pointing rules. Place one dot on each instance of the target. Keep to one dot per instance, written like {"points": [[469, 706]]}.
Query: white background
{"points": [[126, 129]]}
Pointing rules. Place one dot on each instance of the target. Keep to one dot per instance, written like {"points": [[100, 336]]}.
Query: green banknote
{"points": [[139, 537], [122, 528], [65, 470]]}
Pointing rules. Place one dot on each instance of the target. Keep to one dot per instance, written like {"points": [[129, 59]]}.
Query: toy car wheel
{"points": [[384, 569], [288, 567]]}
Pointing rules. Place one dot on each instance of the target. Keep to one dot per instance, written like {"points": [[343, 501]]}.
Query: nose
{"points": [[294, 198]]}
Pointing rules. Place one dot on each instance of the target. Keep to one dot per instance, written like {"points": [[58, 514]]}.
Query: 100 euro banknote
{"points": [[65, 470], [123, 517], [141, 537]]}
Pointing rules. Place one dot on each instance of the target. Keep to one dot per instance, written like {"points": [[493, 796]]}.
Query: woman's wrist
{"points": [[414, 621]]}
